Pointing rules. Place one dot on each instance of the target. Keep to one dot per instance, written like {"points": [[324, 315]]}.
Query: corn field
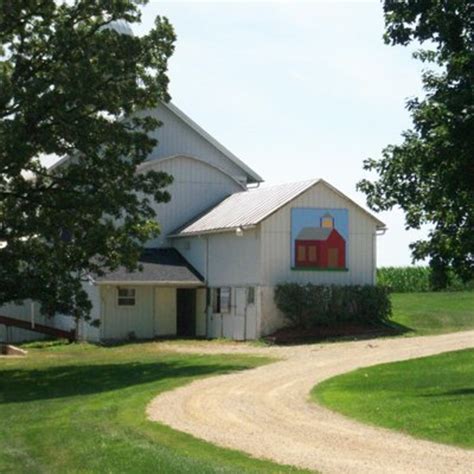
{"points": [[415, 279]]}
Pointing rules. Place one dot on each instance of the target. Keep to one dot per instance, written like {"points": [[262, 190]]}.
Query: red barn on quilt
{"points": [[320, 247]]}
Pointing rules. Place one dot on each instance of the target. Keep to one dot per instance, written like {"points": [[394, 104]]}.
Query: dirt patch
{"points": [[266, 411], [352, 331]]}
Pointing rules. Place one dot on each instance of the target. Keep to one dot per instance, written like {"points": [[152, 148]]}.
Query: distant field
{"points": [[434, 313], [431, 397]]}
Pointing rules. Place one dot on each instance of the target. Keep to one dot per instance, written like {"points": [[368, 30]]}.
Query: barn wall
{"points": [[196, 188], [175, 137], [119, 321], [224, 259], [234, 260], [23, 312], [165, 312], [276, 243], [86, 331], [201, 312]]}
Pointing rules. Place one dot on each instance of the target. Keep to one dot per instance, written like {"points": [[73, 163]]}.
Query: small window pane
{"points": [[225, 300], [251, 295], [301, 253], [126, 297], [216, 300]]}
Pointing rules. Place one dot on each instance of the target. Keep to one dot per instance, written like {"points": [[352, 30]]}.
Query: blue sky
{"points": [[295, 89]]}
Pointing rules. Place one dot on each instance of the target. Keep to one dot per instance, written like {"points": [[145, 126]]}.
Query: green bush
{"points": [[417, 279], [310, 305]]}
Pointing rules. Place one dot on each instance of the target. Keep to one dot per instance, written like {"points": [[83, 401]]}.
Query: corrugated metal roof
{"points": [[246, 208]]}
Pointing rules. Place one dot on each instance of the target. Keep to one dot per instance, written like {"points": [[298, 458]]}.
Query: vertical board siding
{"points": [[234, 260], [196, 188], [165, 312], [276, 243], [87, 332], [23, 312], [119, 322], [201, 312], [175, 137]]}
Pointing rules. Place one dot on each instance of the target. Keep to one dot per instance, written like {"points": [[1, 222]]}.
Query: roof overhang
{"points": [[166, 284]]}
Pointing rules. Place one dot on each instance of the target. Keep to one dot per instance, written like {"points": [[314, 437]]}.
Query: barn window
{"points": [[301, 253], [221, 300], [312, 254], [126, 297], [225, 299], [216, 300], [251, 295]]}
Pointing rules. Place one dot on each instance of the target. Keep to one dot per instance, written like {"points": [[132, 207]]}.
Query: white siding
{"points": [[196, 188], [175, 137], [86, 331], [276, 243], [224, 259], [201, 312], [165, 311], [23, 312], [118, 322]]}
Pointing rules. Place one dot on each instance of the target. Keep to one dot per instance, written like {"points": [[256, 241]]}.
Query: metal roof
{"points": [[158, 266], [245, 209], [248, 208], [314, 233], [251, 174]]}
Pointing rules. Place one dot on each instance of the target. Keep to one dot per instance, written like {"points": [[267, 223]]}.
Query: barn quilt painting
{"points": [[319, 238]]}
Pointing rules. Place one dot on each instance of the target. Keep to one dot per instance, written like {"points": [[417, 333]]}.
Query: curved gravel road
{"points": [[266, 411]]}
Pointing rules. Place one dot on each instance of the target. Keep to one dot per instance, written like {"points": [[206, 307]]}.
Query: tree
{"points": [[71, 84], [431, 174]]}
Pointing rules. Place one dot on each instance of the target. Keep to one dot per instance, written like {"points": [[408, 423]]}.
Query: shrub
{"points": [[310, 305]]}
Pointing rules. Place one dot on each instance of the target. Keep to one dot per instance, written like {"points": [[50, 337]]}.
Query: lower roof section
{"points": [[163, 267]]}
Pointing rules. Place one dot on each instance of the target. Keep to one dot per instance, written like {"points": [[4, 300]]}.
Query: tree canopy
{"points": [[430, 175], [73, 85]]}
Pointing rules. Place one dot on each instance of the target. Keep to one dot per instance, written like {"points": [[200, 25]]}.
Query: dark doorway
{"points": [[186, 312]]}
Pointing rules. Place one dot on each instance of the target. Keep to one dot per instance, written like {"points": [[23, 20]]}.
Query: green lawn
{"points": [[431, 397], [434, 313], [81, 408]]}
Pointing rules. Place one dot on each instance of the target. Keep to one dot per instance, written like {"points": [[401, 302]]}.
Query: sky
{"points": [[297, 90]]}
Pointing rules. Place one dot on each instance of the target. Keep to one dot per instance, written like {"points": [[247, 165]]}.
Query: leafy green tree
{"points": [[72, 85], [431, 174]]}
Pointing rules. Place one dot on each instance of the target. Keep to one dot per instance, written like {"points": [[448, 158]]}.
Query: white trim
{"points": [[211, 231], [151, 162], [131, 283], [203, 134], [379, 224], [199, 130]]}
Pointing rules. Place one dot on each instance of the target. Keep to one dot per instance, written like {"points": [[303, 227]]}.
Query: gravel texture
{"points": [[266, 411]]}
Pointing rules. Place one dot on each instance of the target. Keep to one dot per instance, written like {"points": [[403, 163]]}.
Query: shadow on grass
{"points": [[22, 385], [461, 392], [336, 333]]}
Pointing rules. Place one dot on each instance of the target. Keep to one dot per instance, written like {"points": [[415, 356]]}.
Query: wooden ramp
{"points": [[41, 328]]}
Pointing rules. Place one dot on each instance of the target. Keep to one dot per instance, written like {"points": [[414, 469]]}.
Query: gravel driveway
{"points": [[266, 411]]}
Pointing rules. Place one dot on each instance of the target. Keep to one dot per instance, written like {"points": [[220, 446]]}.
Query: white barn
{"points": [[226, 242]]}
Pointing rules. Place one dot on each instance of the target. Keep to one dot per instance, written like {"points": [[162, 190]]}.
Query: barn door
{"points": [[239, 316], [333, 258]]}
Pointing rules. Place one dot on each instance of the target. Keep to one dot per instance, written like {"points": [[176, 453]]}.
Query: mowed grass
{"points": [[431, 397], [81, 409], [434, 313]]}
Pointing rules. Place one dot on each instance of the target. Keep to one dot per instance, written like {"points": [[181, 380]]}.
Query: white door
{"points": [[216, 325], [238, 333]]}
